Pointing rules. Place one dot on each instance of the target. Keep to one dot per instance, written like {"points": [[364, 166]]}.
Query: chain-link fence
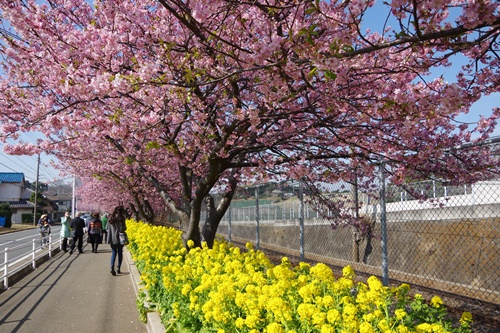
{"points": [[449, 243]]}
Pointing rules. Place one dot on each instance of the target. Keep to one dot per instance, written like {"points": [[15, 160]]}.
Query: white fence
{"points": [[32, 251]]}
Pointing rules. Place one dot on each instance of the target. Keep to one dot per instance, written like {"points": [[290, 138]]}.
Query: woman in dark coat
{"points": [[116, 225]]}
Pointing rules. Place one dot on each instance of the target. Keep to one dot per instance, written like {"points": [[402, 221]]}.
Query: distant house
{"points": [[61, 196], [14, 192]]}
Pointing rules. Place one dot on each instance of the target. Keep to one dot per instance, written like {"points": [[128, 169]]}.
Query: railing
{"points": [[38, 248]]}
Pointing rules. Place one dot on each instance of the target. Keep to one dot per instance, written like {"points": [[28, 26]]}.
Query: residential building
{"points": [[14, 192], [61, 195]]}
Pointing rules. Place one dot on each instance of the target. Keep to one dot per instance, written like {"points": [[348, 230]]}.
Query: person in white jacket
{"points": [[65, 231]]}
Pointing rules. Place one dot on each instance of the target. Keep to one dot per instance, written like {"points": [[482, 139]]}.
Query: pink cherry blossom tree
{"points": [[183, 98]]}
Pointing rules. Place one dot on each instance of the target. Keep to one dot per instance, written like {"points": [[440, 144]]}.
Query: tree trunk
{"points": [[215, 215]]}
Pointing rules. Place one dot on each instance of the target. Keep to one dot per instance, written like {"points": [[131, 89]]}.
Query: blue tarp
{"points": [[2, 221]]}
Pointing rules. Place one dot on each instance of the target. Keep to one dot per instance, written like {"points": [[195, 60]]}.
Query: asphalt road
{"points": [[72, 293], [21, 242]]}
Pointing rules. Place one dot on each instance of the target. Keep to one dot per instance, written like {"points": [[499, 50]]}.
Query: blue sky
{"points": [[483, 107]]}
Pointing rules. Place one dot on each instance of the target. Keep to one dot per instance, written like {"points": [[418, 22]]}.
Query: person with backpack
{"points": [[95, 231]]}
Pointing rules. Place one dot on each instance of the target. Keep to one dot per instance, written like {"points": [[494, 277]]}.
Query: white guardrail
{"points": [[38, 248]]}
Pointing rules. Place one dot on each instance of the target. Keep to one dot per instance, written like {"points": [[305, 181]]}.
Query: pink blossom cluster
{"points": [[167, 101]]}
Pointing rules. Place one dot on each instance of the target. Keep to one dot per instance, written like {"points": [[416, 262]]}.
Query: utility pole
{"points": [[73, 200], [36, 189]]}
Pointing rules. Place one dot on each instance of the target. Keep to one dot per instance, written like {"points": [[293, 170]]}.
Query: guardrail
{"points": [[38, 248]]}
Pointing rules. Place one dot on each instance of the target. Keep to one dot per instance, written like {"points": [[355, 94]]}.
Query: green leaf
{"points": [[311, 74], [152, 145], [330, 76]]}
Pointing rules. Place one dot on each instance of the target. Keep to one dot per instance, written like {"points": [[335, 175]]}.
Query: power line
{"points": [[18, 158], [11, 163], [30, 162]]}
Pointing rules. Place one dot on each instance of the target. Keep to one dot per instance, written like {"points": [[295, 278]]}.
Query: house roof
{"points": [[11, 177]]}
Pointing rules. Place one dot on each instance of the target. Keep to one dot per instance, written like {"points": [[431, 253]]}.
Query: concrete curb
{"points": [[153, 324]]}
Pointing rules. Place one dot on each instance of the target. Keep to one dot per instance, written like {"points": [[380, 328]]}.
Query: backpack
{"points": [[95, 227]]}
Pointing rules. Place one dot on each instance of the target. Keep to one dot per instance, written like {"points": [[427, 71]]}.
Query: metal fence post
{"points": [[229, 225], [355, 231], [257, 242], [33, 260], [301, 220], [50, 246], [383, 226], [6, 269]]}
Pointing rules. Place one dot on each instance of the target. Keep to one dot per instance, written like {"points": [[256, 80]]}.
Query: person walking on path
{"points": [[115, 226], [104, 221], [65, 231], [77, 225], [44, 230], [95, 231]]}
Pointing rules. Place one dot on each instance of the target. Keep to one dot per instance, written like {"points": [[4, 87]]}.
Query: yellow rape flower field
{"points": [[227, 290]]}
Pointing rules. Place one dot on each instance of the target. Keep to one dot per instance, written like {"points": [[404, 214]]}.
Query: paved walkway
{"points": [[73, 293]]}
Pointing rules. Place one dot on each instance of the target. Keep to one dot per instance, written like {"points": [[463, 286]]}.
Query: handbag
{"points": [[123, 238]]}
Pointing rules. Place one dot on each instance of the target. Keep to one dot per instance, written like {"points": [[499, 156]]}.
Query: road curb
{"points": [[153, 324]]}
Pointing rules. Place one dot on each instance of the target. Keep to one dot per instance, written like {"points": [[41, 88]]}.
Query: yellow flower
{"points": [[402, 329], [239, 323], [322, 272], [274, 328], [466, 319], [383, 325], [350, 310], [318, 318], [251, 321], [186, 289], [175, 308], [366, 328], [424, 327], [436, 301], [325, 329], [348, 272], [327, 301], [374, 283], [400, 313], [333, 316]]}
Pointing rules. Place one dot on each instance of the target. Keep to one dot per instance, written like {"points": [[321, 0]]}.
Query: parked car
{"points": [[86, 218]]}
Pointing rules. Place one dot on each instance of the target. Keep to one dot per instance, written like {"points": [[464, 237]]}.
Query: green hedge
{"points": [[6, 212], [27, 218]]}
